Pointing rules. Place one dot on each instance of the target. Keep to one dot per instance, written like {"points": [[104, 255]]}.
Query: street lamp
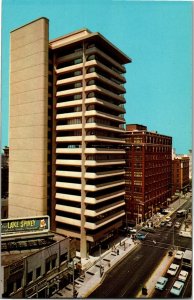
{"points": [[100, 261], [73, 279]]}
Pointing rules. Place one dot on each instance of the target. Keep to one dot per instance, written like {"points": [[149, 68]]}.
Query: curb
{"points": [[105, 273], [163, 271]]}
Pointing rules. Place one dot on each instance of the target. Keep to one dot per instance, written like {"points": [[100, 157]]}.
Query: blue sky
{"points": [[156, 35]]}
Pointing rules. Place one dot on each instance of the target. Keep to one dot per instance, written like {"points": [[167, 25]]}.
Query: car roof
{"points": [[178, 284], [174, 266], [162, 278], [183, 272]]}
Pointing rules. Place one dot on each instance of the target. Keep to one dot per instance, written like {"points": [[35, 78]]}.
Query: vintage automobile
{"points": [[161, 282]]}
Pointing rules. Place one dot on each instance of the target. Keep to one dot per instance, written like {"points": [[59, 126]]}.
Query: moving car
{"points": [[179, 254], [148, 229], [173, 269], [169, 224], [177, 225], [168, 219], [140, 236], [161, 282], [185, 234], [181, 213], [132, 230], [163, 223], [183, 275], [177, 288]]}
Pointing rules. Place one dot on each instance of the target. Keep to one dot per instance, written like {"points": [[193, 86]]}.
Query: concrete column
{"points": [[83, 242]]}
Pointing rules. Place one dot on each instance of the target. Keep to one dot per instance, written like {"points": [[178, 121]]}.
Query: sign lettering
{"points": [[23, 225]]}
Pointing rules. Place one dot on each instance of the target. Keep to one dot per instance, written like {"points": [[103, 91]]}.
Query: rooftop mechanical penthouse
{"points": [[66, 131]]}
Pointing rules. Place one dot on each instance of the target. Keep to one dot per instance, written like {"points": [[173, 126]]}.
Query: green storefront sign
{"points": [[23, 225]]}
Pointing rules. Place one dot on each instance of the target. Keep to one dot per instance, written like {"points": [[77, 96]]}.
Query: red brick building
{"points": [[148, 172], [180, 174]]}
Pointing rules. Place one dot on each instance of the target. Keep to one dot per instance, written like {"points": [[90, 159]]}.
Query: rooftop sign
{"points": [[27, 225]]}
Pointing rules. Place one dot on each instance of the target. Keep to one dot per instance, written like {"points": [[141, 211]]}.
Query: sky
{"points": [[156, 35]]}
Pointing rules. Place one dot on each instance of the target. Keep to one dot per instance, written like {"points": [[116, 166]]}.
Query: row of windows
{"points": [[150, 149], [50, 263], [149, 139]]}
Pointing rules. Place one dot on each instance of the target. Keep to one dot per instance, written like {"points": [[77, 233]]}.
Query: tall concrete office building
{"points": [[66, 127]]}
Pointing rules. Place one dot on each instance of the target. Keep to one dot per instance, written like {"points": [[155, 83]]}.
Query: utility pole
{"points": [[73, 280], [138, 213], [100, 261]]}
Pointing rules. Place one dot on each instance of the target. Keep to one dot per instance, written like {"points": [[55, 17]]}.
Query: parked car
{"points": [[183, 275], [177, 225], [187, 259], [132, 230], [179, 254], [140, 236], [173, 269], [168, 219], [161, 282], [169, 224], [177, 288], [148, 229]]}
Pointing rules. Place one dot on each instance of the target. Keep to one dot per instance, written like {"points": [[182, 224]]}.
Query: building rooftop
{"points": [[85, 34], [14, 250], [30, 23]]}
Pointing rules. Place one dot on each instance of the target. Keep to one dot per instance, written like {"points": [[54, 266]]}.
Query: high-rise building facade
{"points": [[148, 172], [28, 127], [73, 160]]}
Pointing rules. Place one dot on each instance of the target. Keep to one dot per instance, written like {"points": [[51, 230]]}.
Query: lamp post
{"points": [[73, 279], [173, 237], [100, 261]]}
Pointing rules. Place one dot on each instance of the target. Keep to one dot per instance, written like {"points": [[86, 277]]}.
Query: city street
{"points": [[127, 278], [130, 274]]}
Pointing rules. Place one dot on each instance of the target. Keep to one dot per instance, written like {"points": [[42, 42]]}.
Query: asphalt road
{"points": [[130, 274], [127, 278], [186, 292]]}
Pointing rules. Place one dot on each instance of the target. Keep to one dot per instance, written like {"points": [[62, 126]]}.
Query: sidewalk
{"points": [[87, 283]]}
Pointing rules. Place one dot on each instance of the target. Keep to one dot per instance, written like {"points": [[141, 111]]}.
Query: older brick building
{"points": [[180, 174], [148, 172]]}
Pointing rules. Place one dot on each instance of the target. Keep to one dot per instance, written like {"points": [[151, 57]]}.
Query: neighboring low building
{"points": [[38, 272], [148, 172], [180, 174]]}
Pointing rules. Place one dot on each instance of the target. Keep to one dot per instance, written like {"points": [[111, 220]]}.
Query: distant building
{"points": [[148, 172], [180, 174], [66, 123], [190, 164], [34, 269]]}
